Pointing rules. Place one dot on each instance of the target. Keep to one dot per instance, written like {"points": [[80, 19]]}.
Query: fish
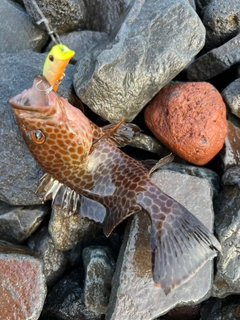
{"points": [[87, 173], [55, 64]]}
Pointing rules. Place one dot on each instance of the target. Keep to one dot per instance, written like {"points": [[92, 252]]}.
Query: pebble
{"points": [[18, 223], [231, 96], [189, 119], [22, 283], [117, 79], [99, 265], [134, 295], [215, 61]]}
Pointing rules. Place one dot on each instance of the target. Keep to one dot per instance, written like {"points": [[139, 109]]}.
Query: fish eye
{"points": [[36, 136], [51, 57]]}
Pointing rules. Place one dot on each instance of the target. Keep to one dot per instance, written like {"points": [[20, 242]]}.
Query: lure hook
{"points": [[46, 91]]}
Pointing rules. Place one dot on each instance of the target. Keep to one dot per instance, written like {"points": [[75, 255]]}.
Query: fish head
{"points": [[57, 134]]}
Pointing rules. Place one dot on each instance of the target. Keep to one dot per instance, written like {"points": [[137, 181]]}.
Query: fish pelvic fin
{"points": [[180, 243]]}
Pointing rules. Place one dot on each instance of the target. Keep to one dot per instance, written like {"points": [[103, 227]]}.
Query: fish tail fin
{"points": [[180, 243]]}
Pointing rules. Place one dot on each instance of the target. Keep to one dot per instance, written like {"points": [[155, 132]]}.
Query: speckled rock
{"points": [[19, 173], [65, 300], [67, 230], [215, 61], [190, 119], [221, 20], [227, 209], [54, 261], [63, 15], [22, 283], [231, 96], [99, 265], [17, 30], [134, 295], [18, 223], [148, 47]]}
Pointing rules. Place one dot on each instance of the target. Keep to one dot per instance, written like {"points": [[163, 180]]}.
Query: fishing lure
{"points": [[55, 64], [87, 173]]}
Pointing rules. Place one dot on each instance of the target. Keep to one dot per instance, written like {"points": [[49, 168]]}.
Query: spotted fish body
{"points": [[89, 174]]}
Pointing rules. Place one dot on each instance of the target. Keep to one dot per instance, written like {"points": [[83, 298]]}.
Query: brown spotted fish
{"points": [[86, 172]]}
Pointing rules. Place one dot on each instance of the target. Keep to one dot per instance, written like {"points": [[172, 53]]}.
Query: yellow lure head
{"points": [[55, 64]]}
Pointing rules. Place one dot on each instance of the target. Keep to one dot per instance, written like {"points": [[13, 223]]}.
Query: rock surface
{"points": [[231, 96], [22, 283], [134, 295], [117, 79], [190, 119]]}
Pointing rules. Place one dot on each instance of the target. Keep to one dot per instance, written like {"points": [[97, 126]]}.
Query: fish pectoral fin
{"points": [[180, 246], [92, 210]]}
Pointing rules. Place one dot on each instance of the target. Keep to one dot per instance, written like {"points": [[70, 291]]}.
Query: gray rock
{"points": [[22, 282], [231, 177], [63, 15], [67, 230], [19, 173], [18, 223], [17, 30], [215, 61], [221, 19], [227, 209], [81, 42], [149, 46], [65, 300], [231, 96], [54, 261], [134, 295], [99, 265], [102, 15], [216, 309]]}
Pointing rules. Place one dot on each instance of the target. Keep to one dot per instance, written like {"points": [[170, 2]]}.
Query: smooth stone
{"points": [[65, 299], [67, 229], [17, 30], [22, 282], [19, 173], [227, 222], [231, 96], [134, 295], [99, 265], [63, 15], [106, 14], [230, 154], [189, 119], [117, 79], [215, 61], [18, 223], [221, 20], [81, 42], [54, 261]]}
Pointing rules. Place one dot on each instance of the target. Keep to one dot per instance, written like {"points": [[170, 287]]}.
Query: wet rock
{"points": [[54, 261], [134, 295], [204, 173], [81, 41], [19, 173], [18, 223], [118, 78], [231, 96], [106, 13], [230, 154], [227, 221], [216, 309], [19, 33], [189, 119], [65, 300], [215, 61], [67, 230], [63, 15], [99, 265], [22, 283], [221, 20]]}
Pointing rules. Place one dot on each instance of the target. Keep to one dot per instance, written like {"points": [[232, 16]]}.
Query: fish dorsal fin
{"points": [[153, 165], [65, 198]]}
